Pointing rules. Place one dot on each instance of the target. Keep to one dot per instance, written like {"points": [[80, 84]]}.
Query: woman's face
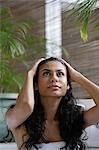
{"points": [[52, 79]]}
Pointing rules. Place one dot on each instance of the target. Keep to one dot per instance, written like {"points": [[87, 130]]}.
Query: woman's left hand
{"points": [[74, 74]]}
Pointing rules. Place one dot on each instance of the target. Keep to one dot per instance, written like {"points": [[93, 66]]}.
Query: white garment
{"points": [[50, 146]]}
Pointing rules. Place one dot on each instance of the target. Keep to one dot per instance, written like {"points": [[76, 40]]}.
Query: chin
{"points": [[56, 95], [53, 94]]}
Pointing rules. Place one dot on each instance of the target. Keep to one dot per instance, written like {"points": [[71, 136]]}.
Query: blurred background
{"points": [[30, 29]]}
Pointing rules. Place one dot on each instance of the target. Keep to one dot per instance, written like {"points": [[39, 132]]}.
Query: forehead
{"points": [[53, 65]]}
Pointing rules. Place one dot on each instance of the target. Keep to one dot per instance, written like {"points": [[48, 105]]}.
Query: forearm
{"points": [[25, 102], [91, 116], [26, 95], [24, 105], [91, 87]]}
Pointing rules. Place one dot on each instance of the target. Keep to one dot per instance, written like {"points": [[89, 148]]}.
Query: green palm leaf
{"points": [[14, 40], [83, 11], [9, 78], [13, 34]]}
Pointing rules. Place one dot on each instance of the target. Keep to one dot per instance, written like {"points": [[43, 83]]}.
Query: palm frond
{"points": [[13, 34], [83, 11], [10, 81], [15, 38]]}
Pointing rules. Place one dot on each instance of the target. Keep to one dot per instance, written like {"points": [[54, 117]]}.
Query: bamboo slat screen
{"points": [[83, 56]]}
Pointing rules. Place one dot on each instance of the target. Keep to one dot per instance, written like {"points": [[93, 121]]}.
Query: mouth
{"points": [[54, 86]]}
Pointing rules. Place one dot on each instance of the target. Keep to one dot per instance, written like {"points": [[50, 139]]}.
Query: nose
{"points": [[54, 77]]}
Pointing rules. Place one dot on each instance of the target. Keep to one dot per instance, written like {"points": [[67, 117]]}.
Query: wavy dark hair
{"points": [[69, 115]]}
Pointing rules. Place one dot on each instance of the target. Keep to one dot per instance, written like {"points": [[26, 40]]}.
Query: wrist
{"points": [[78, 77], [81, 79], [31, 73]]}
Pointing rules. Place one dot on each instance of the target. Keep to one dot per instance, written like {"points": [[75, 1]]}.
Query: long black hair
{"points": [[69, 115]]}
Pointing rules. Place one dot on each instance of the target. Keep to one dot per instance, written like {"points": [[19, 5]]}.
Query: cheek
{"points": [[64, 81], [64, 85], [41, 84], [64, 88]]}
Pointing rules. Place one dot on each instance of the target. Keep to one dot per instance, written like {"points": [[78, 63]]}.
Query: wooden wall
{"points": [[23, 10], [83, 56]]}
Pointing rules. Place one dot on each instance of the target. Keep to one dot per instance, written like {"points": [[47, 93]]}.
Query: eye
{"points": [[46, 73], [60, 74]]}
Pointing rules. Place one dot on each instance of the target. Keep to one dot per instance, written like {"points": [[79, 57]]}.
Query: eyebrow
{"points": [[51, 70]]}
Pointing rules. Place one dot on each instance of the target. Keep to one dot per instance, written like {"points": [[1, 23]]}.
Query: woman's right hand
{"points": [[32, 71]]}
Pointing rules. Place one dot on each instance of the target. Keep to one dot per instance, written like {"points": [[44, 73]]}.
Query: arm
{"points": [[25, 102], [92, 115]]}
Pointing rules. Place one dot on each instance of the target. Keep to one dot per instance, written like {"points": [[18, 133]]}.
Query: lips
{"points": [[54, 86]]}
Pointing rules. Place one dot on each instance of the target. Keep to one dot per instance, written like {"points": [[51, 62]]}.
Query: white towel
{"points": [[50, 146]]}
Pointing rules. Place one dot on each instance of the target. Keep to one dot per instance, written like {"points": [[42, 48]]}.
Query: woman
{"points": [[46, 115]]}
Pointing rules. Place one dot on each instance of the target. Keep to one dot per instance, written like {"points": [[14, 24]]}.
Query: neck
{"points": [[50, 105]]}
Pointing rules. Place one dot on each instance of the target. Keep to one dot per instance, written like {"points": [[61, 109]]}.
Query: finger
{"points": [[67, 64], [39, 60], [36, 64]]}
